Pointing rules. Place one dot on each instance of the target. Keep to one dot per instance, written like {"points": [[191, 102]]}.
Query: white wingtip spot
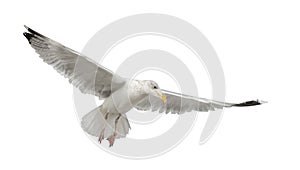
{"points": [[262, 102]]}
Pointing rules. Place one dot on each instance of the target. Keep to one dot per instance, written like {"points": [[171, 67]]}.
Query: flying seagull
{"points": [[120, 95]]}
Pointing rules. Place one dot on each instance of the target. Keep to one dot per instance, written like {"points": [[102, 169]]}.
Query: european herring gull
{"points": [[119, 94]]}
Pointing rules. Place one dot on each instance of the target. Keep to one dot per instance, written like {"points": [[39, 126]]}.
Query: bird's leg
{"points": [[112, 137], [101, 136], [106, 116]]}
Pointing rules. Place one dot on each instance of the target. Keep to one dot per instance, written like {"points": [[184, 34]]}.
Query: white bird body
{"points": [[120, 94], [117, 103]]}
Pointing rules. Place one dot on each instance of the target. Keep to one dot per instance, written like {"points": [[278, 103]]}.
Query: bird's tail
{"points": [[95, 121]]}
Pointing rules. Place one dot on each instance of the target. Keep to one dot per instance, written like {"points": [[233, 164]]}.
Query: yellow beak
{"points": [[162, 97]]}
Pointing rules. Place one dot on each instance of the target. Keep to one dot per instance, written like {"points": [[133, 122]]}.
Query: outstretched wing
{"points": [[181, 103], [81, 71]]}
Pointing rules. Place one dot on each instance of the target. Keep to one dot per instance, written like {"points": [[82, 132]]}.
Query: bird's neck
{"points": [[136, 91]]}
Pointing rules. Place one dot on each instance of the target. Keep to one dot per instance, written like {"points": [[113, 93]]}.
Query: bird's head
{"points": [[151, 87]]}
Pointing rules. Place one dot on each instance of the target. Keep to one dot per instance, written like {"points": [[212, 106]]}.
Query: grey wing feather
{"points": [[81, 71], [181, 103]]}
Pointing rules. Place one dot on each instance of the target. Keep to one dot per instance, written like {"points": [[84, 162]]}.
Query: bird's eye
{"points": [[155, 87]]}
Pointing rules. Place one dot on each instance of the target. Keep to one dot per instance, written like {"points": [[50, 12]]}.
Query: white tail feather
{"points": [[94, 122]]}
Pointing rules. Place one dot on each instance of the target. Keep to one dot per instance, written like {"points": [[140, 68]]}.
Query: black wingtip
{"points": [[250, 103], [33, 32], [28, 36]]}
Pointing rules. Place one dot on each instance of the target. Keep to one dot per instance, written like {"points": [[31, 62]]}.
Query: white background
{"points": [[257, 43]]}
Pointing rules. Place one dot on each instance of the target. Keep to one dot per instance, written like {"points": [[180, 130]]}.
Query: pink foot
{"points": [[101, 136], [111, 139]]}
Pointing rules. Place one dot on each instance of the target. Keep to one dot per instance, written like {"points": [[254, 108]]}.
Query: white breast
{"points": [[122, 100]]}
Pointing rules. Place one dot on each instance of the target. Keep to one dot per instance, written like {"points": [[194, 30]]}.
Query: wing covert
{"points": [[81, 71], [181, 103]]}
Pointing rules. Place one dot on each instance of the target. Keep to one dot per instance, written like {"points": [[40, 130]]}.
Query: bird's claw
{"points": [[111, 139], [101, 136]]}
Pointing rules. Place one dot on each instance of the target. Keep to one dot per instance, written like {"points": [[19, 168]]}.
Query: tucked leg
{"points": [[101, 136], [112, 137]]}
